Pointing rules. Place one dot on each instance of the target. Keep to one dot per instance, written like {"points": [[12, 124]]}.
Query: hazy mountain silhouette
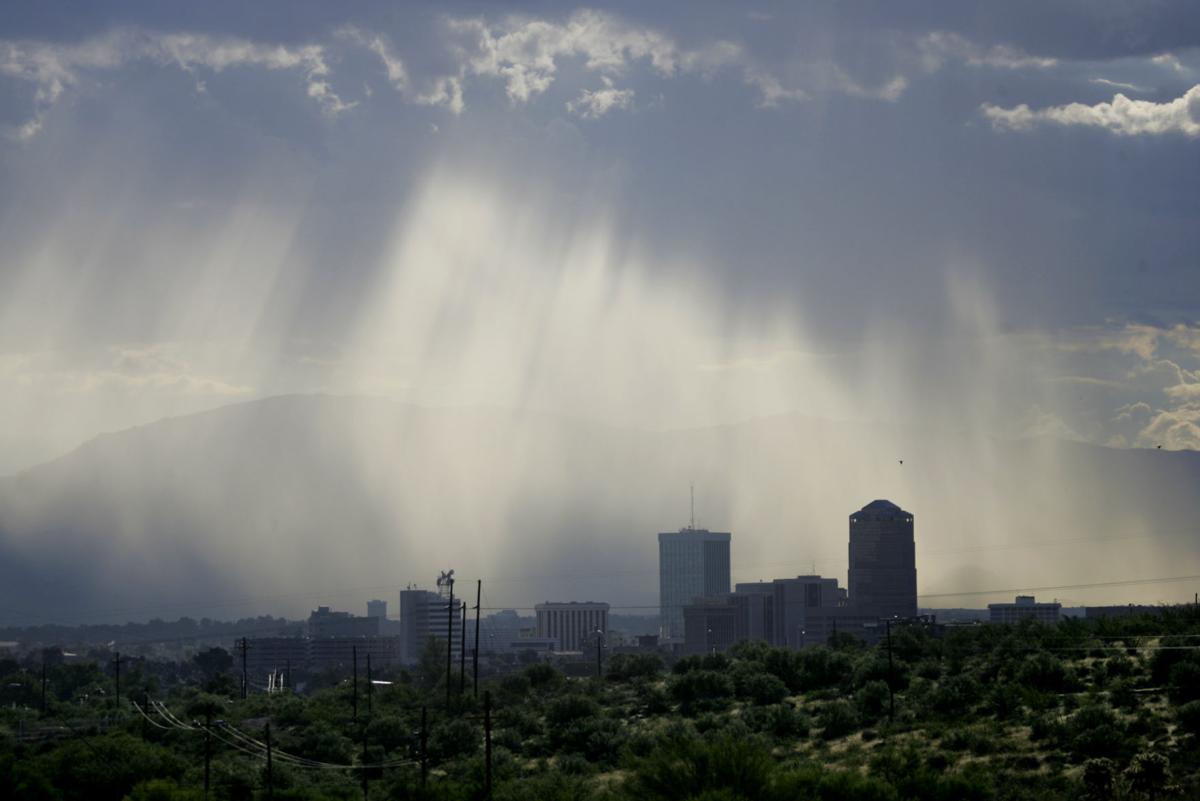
{"points": [[274, 505]]}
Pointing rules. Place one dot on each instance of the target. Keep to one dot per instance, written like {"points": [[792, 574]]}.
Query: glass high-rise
{"points": [[883, 564], [692, 563]]}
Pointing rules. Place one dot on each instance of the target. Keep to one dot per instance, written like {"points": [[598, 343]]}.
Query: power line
{"points": [[1087, 586]]}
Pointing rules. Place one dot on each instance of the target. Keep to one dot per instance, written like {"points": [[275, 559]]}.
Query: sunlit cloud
{"points": [[1121, 116], [593, 104], [56, 67]]}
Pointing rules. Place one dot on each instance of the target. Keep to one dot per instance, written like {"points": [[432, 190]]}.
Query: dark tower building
{"points": [[883, 565]]}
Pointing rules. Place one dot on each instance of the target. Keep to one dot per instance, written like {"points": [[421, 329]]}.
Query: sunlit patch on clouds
{"points": [[1121, 115]]}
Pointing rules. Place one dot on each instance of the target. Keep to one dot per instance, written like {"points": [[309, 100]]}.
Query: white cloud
{"points": [[772, 92], [1174, 429], [1119, 85], [525, 52], [592, 104], [1169, 61], [1122, 116], [890, 90], [941, 46], [55, 67], [446, 91], [397, 73]]}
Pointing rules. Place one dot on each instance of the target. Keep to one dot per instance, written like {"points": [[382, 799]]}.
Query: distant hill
{"points": [[275, 505]]}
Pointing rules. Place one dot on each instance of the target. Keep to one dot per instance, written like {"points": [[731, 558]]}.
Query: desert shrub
{"points": [[1184, 682], [1119, 666], [1188, 716], [821, 667], [1045, 672], [700, 690], [1166, 658], [515, 686], [626, 667], [520, 719], [762, 688], [1094, 731], [827, 785], [1002, 700], [543, 676], [838, 719], [872, 700], [1148, 774], [451, 739], [688, 767], [1099, 779], [955, 695], [569, 708], [654, 700], [777, 720], [391, 732], [1121, 694], [787, 666]]}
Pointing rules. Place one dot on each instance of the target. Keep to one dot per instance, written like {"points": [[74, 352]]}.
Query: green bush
{"points": [[822, 667], [762, 688], [1188, 716], [837, 719], [569, 708], [1184, 683], [686, 767], [452, 739], [627, 667], [701, 690], [873, 700], [777, 720]]}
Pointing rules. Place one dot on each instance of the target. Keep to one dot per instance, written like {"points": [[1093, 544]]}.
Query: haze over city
{"points": [[304, 303]]}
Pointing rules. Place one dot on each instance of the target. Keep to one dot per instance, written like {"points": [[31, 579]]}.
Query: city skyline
{"points": [[294, 296]]}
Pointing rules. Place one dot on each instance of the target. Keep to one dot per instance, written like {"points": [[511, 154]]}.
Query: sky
{"points": [[660, 216]]}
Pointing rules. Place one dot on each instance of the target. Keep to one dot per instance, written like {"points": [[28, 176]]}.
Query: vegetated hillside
{"points": [[275, 505], [1084, 710]]}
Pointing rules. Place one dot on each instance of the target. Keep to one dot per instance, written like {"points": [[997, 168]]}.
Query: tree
{"points": [[1148, 774], [431, 665], [213, 662], [1099, 779]]}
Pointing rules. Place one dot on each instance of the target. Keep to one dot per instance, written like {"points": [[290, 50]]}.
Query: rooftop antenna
{"points": [[692, 525]]}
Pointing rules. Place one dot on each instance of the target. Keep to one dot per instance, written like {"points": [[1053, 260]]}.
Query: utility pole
{"points": [[370, 688], [270, 774], [354, 685], [117, 673], [363, 769], [891, 674], [43, 684], [462, 652], [207, 747], [288, 674], [487, 745], [245, 677], [599, 654], [449, 643], [424, 745], [475, 653]]}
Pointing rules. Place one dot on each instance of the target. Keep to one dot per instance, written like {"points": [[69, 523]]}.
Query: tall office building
{"points": [[883, 566], [377, 609], [692, 563], [423, 614]]}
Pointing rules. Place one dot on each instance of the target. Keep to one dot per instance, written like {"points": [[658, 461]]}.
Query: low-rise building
{"points": [[1024, 607], [572, 623]]}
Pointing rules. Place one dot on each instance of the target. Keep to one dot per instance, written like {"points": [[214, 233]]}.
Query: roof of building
{"points": [[881, 506]]}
